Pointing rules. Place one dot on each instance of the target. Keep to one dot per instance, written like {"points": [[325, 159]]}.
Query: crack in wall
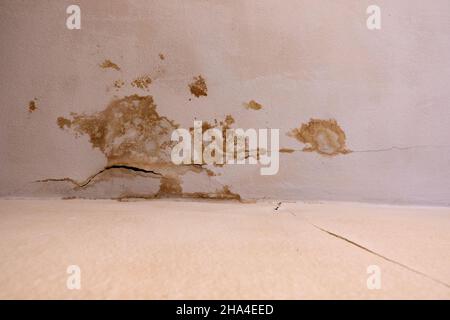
{"points": [[86, 182], [381, 256], [401, 148]]}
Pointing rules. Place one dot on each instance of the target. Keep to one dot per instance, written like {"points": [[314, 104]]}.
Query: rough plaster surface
{"points": [[297, 60], [207, 250]]}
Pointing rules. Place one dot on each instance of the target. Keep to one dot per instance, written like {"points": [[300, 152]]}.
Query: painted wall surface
{"points": [[89, 112]]}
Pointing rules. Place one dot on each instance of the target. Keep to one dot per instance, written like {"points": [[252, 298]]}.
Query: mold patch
{"points": [[198, 87], [325, 137]]}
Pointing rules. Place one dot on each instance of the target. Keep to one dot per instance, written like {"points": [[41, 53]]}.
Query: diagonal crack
{"points": [[381, 256], [88, 180]]}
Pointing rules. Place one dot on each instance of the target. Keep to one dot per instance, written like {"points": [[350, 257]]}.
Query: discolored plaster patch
{"points": [[142, 82], [253, 105], [325, 137], [198, 87], [109, 64]]}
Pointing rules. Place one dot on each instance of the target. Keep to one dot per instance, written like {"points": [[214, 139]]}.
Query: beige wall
{"points": [[388, 90]]}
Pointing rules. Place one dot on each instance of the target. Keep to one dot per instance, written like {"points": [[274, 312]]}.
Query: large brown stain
{"points": [[142, 82], [325, 137], [109, 64], [198, 87], [128, 131], [132, 134], [253, 105]]}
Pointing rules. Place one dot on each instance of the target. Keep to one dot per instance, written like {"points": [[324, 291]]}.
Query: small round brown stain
{"points": [[253, 105], [32, 106]]}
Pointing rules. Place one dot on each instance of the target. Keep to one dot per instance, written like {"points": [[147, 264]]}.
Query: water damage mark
{"points": [[142, 82], [198, 87], [286, 150], [109, 64], [63, 122], [118, 84], [128, 131], [32, 106], [134, 137], [161, 56], [325, 137], [253, 105]]}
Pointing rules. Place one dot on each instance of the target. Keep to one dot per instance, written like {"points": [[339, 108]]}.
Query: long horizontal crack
{"points": [[88, 180], [394, 148], [381, 256], [401, 148]]}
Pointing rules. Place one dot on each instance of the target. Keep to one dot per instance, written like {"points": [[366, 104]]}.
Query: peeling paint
{"points": [[325, 137], [198, 87]]}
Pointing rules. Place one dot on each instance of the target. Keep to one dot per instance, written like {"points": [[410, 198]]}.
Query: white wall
{"points": [[387, 89]]}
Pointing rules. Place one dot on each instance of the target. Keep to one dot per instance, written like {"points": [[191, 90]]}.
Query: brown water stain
{"points": [[142, 82], [129, 130], [286, 150], [325, 137], [132, 134], [109, 64], [63, 122], [32, 106], [161, 56], [119, 84], [198, 87], [253, 105]]}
